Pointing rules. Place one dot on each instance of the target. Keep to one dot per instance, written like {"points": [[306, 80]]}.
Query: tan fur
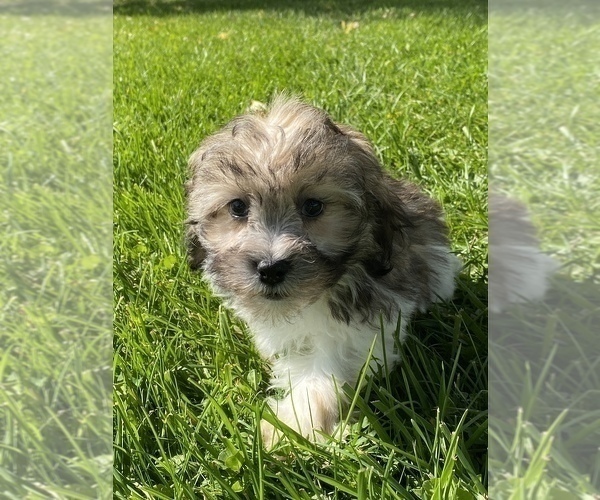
{"points": [[378, 248]]}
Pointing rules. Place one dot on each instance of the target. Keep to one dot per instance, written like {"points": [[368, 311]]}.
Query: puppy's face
{"points": [[279, 205]]}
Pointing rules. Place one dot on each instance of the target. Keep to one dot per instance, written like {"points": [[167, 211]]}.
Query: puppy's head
{"points": [[281, 204]]}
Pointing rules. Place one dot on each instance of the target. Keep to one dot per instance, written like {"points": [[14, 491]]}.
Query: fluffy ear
{"points": [[389, 223], [384, 200], [195, 250]]}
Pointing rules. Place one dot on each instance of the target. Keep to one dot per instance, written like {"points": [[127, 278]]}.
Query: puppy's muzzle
{"points": [[273, 273]]}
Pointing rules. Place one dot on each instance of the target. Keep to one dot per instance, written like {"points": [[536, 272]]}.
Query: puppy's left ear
{"points": [[389, 222], [195, 251], [384, 201]]}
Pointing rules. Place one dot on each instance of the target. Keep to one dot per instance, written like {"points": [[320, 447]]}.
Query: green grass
{"points": [[544, 151], [55, 255], [189, 387]]}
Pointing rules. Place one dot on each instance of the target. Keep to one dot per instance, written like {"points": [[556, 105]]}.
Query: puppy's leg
{"points": [[445, 267], [311, 404]]}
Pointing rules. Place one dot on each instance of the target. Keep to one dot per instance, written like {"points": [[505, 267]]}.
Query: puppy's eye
{"points": [[238, 209], [312, 208]]}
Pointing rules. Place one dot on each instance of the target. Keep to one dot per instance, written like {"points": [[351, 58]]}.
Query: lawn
{"points": [[544, 150], [55, 252], [189, 387]]}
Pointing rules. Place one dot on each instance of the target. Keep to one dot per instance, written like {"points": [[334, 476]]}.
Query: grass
{"points": [[544, 384], [189, 388], [55, 255]]}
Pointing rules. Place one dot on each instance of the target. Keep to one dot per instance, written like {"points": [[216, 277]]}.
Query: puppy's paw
{"points": [[270, 434], [311, 415]]}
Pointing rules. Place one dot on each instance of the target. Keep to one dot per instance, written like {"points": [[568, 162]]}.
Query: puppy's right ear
{"points": [[195, 250]]}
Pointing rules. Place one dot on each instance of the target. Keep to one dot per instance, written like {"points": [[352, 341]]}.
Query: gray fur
{"points": [[371, 240]]}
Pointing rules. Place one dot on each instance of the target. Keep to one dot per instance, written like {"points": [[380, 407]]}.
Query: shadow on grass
{"points": [[544, 360], [309, 7]]}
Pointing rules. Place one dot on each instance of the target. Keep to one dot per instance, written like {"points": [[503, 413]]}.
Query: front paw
{"points": [[271, 435], [312, 416]]}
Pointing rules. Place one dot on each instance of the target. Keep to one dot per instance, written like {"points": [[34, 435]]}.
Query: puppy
{"points": [[296, 225]]}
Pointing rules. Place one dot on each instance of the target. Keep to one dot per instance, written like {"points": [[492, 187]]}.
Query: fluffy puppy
{"points": [[296, 225]]}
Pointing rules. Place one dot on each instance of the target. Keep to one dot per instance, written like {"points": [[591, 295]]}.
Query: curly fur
{"points": [[379, 250]]}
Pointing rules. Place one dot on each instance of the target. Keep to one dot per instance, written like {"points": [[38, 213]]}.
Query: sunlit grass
{"points": [[189, 387], [55, 254], [544, 148]]}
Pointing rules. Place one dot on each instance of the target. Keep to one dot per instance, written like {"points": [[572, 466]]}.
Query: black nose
{"points": [[272, 273]]}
